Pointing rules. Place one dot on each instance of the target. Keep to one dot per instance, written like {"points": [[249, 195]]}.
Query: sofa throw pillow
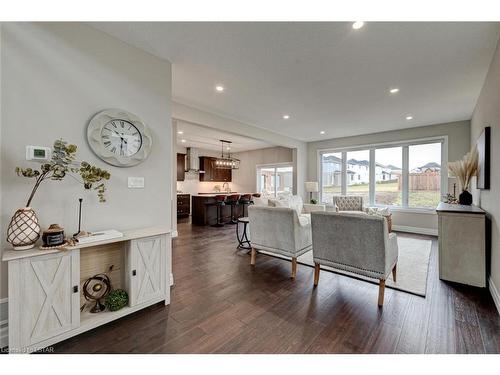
{"points": [[260, 201]]}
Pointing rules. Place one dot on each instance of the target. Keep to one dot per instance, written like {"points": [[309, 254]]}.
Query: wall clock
{"points": [[119, 137]]}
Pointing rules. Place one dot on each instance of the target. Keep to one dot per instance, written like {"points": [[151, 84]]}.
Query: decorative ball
{"points": [[116, 300], [97, 287]]}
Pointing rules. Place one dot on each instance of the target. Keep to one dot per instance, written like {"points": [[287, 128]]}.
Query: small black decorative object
{"points": [[79, 233], [54, 236], [95, 289], [116, 300], [465, 198]]}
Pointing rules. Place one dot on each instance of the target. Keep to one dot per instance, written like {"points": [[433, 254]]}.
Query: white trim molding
{"points": [[4, 323], [175, 234], [408, 229], [494, 294]]}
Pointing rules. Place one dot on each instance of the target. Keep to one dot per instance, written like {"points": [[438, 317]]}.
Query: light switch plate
{"points": [[136, 182]]}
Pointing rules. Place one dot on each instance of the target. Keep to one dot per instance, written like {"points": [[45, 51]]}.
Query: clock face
{"points": [[118, 137], [121, 138]]}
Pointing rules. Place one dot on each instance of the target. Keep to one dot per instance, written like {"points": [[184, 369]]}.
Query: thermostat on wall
{"points": [[38, 153]]}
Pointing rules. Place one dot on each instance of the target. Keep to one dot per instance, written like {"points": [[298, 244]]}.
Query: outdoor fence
{"points": [[423, 181]]}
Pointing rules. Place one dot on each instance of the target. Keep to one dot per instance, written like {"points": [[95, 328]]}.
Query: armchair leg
{"points": [[252, 257], [316, 273], [394, 273], [381, 290], [294, 267]]}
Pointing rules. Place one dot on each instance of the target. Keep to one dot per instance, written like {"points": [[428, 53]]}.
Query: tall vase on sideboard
{"points": [[23, 230]]}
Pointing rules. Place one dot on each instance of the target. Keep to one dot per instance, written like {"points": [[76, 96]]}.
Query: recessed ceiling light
{"points": [[180, 132], [322, 132], [409, 117], [183, 140], [219, 88], [394, 90], [358, 25], [286, 117]]}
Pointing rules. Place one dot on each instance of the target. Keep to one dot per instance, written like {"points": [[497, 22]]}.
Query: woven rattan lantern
{"points": [[23, 230]]}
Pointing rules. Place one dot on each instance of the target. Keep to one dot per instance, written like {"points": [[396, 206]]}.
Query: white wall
{"points": [[458, 145], [55, 77], [487, 113]]}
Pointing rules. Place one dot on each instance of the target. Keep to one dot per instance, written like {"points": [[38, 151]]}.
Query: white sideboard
{"points": [[462, 244], [45, 285]]}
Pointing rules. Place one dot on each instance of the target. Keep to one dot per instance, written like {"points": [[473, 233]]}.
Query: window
{"points": [[273, 180], [424, 179], [331, 175], [388, 176], [358, 168], [405, 175]]}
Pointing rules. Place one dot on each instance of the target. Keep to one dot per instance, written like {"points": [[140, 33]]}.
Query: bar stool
{"points": [[245, 200], [232, 200], [219, 202]]}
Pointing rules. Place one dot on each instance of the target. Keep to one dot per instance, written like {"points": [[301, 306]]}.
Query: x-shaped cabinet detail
{"points": [[48, 303], [147, 269]]}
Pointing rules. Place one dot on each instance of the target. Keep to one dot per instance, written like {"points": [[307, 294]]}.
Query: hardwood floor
{"points": [[220, 304]]}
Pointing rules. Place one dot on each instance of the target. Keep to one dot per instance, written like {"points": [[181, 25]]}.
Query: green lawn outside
{"points": [[388, 194]]}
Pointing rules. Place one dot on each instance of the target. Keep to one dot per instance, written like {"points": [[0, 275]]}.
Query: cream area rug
{"points": [[413, 266]]}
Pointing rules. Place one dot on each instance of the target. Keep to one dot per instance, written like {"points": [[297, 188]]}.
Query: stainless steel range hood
{"points": [[192, 160]]}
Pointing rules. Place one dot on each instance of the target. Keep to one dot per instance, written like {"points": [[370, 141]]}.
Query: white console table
{"points": [[45, 285], [462, 244]]}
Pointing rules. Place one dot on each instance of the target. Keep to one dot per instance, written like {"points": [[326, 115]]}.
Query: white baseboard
{"points": [[404, 228], [494, 294], [4, 323], [171, 279], [175, 234]]}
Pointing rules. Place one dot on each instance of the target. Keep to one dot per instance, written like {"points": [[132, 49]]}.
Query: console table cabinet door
{"points": [[46, 301], [147, 267]]}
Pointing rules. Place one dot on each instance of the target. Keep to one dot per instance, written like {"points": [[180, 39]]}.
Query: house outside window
{"points": [[404, 175]]}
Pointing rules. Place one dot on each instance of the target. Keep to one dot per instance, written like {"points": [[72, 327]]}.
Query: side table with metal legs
{"points": [[243, 240]]}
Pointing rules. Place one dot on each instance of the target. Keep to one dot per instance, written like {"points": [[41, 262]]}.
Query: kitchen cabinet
{"points": [[183, 205], [181, 166], [212, 173]]}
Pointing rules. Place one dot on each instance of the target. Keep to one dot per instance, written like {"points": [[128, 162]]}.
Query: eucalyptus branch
{"points": [[63, 163]]}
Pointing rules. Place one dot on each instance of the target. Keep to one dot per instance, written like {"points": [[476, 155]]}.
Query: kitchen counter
{"points": [[221, 193], [204, 213]]}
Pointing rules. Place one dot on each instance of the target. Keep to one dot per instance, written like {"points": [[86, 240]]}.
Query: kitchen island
{"points": [[204, 212]]}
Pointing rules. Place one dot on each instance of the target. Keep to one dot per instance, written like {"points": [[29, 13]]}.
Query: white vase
{"points": [[23, 230]]}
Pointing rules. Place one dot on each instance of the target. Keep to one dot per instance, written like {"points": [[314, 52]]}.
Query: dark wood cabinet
{"points": [[183, 205], [212, 173], [181, 166]]}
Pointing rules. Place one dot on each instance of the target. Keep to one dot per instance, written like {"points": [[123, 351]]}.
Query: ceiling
{"points": [[209, 139], [326, 76]]}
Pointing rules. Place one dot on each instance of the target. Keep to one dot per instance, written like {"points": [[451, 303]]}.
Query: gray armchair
{"points": [[279, 230], [348, 203], [356, 243]]}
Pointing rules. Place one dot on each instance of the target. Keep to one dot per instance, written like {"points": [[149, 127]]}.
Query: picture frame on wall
{"points": [[483, 148]]}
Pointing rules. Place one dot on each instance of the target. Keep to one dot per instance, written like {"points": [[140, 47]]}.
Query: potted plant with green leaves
{"points": [[24, 230]]}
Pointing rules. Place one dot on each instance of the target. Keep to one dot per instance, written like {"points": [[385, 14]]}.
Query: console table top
{"points": [[459, 208], [10, 254]]}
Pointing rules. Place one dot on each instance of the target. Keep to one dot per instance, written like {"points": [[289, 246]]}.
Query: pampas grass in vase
{"points": [[464, 170]]}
